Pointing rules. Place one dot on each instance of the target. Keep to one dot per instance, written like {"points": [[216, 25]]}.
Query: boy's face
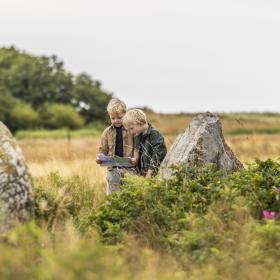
{"points": [[136, 129], [116, 119]]}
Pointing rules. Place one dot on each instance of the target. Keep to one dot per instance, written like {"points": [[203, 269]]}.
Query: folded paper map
{"points": [[114, 161]]}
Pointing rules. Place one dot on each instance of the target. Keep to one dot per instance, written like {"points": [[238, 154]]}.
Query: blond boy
{"points": [[150, 148], [116, 140]]}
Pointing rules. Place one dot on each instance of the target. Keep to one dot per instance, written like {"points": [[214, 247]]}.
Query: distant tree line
{"points": [[37, 91]]}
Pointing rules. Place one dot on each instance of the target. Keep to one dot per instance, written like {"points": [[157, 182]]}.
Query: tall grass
{"points": [[75, 158]]}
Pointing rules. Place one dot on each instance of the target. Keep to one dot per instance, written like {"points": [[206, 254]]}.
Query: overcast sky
{"points": [[172, 56]]}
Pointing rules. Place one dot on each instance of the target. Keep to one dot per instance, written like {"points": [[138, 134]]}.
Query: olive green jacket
{"points": [[151, 149]]}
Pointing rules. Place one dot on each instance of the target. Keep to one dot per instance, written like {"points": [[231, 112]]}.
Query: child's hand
{"points": [[133, 161], [150, 174], [98, 161]]}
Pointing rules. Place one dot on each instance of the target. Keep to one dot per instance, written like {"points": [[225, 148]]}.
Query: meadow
{"points": [[70, 189]]}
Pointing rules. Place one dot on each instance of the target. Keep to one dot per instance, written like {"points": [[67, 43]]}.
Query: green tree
{"points": [[35, 79], [90, 99], [59, 115], [40, 79], [6, 104]]}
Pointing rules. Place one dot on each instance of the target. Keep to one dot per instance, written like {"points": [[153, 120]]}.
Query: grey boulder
{"points": [[202, 143], [16, 201]]}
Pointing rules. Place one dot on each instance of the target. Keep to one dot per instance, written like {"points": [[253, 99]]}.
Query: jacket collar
{"points": [[112, 127], [149, 130]]}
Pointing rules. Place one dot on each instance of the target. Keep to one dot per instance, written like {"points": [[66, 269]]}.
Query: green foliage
{"points": [[6, 105], [152, 208], [202, 226], [89, 98], [59, 133], [259, 184], [59, 115], [16, 113], [23, 116], [162, 212], [35, 80]]}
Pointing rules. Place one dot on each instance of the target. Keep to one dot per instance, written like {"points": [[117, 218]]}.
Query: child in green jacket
{"points": [[150, 148]]}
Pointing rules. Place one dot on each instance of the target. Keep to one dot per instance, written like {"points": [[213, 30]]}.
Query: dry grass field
{"points": [[233, 124], [68, 159], [250, 147], [78, 156]]}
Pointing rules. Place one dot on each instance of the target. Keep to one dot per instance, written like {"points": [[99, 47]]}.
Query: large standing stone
{"points": [[16, 203], [201, 143]]}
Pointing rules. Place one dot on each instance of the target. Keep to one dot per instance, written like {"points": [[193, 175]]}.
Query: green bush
{"points": [[212, 225], [260, 185], [157, 209], [6, 104], [15, 113], [23, 116], [152, 208], [52, 115]]}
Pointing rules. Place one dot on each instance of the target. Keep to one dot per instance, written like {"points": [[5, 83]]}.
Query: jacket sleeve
{"points": [[104, 146], [158, 149]]}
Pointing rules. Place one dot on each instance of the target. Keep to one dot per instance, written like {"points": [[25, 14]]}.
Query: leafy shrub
{"points": [[16, 113], [209, 223], [259, 184], [23, 116], [155, 210]]}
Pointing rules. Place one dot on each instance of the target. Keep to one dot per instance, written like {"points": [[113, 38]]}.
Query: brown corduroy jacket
{"points": [[108, 142]]}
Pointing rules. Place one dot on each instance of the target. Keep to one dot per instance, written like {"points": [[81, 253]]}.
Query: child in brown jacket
{"points": [[116, 140]]}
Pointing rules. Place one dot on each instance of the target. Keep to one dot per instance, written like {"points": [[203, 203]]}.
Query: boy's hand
{"points": [[150, 173], [98, 161], [133, 161]]}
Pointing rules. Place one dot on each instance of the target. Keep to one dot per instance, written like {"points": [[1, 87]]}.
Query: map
{"points": [[114, 161]]}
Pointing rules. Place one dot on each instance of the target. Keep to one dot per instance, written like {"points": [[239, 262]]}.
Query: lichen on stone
{"points": [[16, 201]]}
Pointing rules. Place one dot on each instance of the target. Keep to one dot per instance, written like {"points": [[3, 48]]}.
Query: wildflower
{"points": [[269, 215], [278, 189]]}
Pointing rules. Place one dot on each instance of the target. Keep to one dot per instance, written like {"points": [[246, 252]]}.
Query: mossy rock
{"points": [[16, 201]]}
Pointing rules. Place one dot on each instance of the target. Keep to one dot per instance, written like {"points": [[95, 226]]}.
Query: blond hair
{"points": [[116, 106], [134, 116]]}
